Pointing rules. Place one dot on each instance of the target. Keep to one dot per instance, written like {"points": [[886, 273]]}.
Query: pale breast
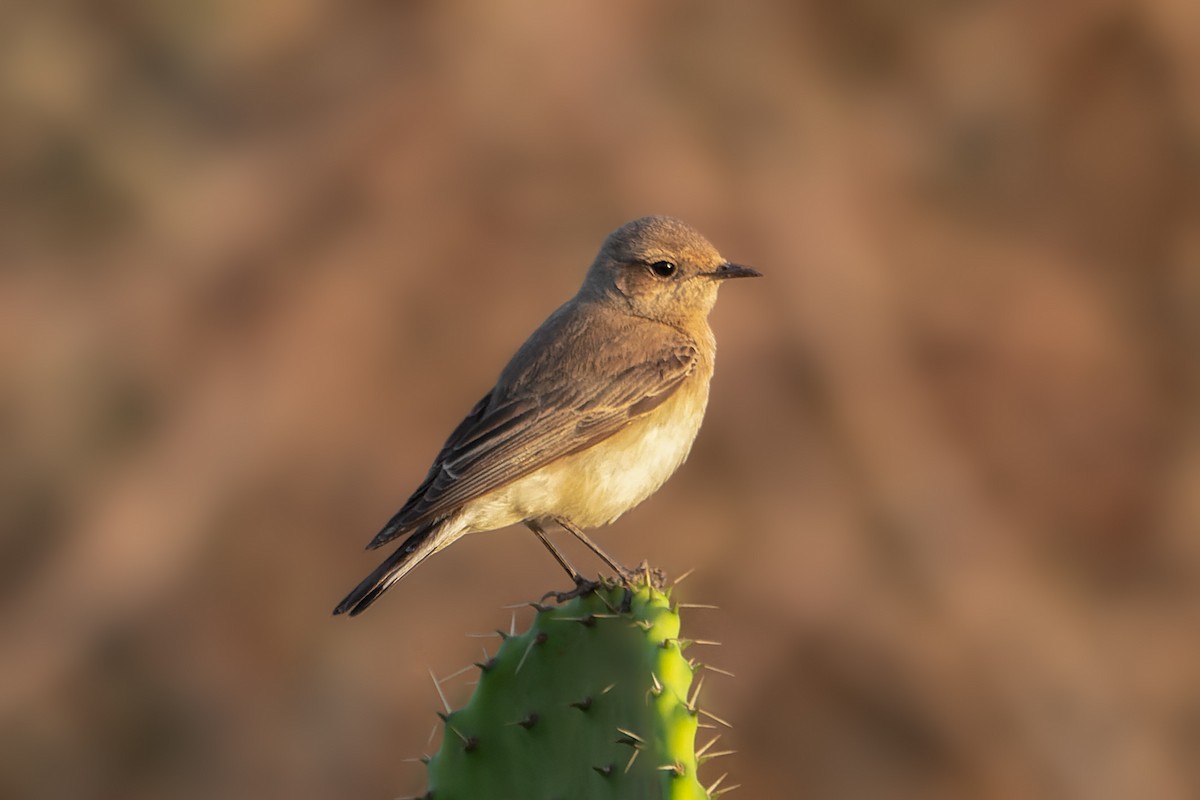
{"points": [[630, 466], [597, 485]]}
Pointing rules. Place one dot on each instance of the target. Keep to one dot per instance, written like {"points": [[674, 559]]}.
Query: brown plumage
{"points": [[592, 414]]}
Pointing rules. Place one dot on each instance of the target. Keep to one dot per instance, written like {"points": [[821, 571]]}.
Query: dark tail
{"points": [[416, 548]]}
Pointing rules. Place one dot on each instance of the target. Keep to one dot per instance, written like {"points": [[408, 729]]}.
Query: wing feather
{"points": [[510, 434]]}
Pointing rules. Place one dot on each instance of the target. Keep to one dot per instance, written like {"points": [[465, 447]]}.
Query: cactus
{"points": [[595, 700]]}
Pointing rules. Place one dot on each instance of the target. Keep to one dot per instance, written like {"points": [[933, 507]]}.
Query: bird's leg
{"points": [[559, 557], [626, 575], [567, 525], [582, 585]]}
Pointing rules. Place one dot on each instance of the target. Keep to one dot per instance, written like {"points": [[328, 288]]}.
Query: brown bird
{"points": [[594, 412]]}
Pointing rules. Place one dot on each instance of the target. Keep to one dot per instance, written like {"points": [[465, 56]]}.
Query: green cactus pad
{"points": [[591, 702]]}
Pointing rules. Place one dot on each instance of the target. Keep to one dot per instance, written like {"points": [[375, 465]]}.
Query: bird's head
{"points": [[661, 269]]}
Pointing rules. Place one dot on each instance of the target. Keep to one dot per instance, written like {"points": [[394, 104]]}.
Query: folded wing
{"points": [[509, 435]]}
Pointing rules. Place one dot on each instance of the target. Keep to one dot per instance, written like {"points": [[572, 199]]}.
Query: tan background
{"points": [[256, 259]]}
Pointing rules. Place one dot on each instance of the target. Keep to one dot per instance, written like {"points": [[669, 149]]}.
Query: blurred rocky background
{"points": [[257, 259]]}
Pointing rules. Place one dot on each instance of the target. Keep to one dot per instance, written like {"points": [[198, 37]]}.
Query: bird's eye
{"points": [[663, 269]]}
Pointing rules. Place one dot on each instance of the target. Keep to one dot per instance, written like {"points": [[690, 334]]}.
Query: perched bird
{"points": [[593, 413]]}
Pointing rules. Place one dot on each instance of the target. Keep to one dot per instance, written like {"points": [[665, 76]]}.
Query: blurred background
{"points": [[257, 259]]}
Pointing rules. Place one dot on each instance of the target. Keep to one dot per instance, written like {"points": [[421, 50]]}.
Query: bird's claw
{"points": [[583, 587]]}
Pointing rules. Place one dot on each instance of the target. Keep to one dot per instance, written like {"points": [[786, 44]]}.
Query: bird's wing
{"points": [[508, 437]]}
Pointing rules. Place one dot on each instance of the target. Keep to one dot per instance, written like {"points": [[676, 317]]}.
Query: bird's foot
{"points": [[583, 587]]}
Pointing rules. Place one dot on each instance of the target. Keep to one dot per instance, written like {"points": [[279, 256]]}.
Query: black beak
{"points": [[733, 271]]}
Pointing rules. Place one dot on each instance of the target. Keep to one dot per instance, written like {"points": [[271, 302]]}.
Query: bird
{"points": [[594, 412]]}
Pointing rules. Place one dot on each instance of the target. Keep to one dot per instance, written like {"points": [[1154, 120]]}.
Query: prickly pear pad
{"points": [[591, 702]]}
